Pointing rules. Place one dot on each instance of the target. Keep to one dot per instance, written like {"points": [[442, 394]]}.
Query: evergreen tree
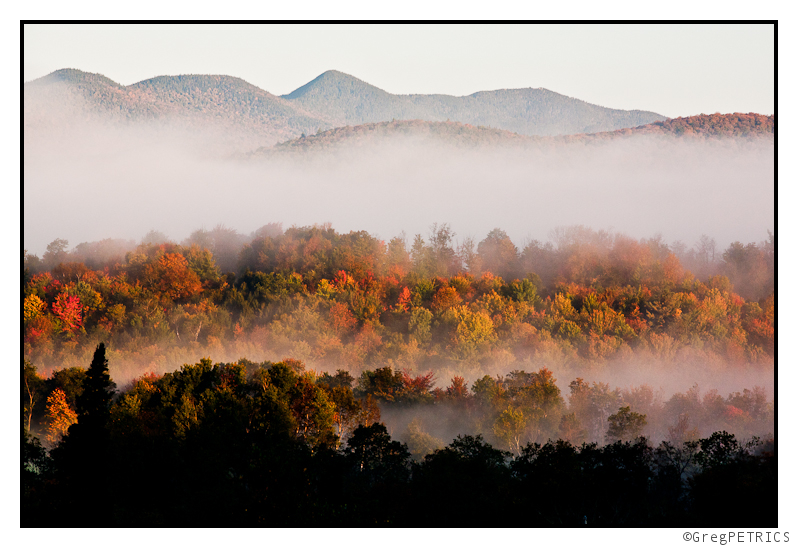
{"points": [[83, 461], [94, 403]]}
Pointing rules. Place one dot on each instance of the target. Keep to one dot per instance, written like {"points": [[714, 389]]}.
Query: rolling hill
{"points": [[455, 134]]}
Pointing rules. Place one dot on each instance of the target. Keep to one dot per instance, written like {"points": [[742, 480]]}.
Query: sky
{"points": [[673, 70]]}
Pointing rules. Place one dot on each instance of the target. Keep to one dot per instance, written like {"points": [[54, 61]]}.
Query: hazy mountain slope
{"points": [[528, 111], [236, 113], [533, 112], [69, 93]]}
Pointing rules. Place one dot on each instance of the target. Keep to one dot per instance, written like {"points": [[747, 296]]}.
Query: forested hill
{"points": [[715, 126], [711, 125], [450, 133], [529, 111]]}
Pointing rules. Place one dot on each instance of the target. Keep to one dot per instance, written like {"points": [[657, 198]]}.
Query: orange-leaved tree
{"points": [[59, 416]]}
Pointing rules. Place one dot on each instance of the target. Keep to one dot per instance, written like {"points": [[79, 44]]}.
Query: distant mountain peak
{"points": [[333, 82], [75, 76]]}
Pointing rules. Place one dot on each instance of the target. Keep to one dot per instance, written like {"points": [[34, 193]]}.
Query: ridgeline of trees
{"points": [[271, 444], [351, 301], [704, 127]]}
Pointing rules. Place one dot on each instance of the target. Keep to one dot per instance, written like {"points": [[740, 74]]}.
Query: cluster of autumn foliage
{"points": [[715, 125], [350, 301], [273, 444]]}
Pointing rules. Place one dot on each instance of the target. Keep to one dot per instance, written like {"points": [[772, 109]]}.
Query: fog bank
{"points": [[94, 182]]}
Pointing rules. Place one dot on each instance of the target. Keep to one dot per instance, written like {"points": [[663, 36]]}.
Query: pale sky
{"points": [[674, 70]]}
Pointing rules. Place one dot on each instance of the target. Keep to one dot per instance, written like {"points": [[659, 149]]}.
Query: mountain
{"points": [[715, 126], [347, 100], [242, 116]]}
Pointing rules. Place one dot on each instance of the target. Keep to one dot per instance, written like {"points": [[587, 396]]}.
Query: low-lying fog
{"points": [[89, 183]]}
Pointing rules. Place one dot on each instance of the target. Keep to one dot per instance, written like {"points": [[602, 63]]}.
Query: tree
{"points": [[171, 276], [458, 389], [383, 384], [445, 259], [375, 455], [70, 313], [155, 237], [347, 410], [571, 430], [419, 442], [59, 416], [313, 412], [94, 403], [498, 254], [32, 385], [625, 425], [509, 427], [56, 253]]}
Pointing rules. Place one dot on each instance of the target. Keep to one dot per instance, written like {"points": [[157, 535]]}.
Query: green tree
{"points": [[376, 456], [625, 425], [509, 427], [419, 442]]}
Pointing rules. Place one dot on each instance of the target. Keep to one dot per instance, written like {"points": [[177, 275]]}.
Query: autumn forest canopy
{"points": [[388, 369]]}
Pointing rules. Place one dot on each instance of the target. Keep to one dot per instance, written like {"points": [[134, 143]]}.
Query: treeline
{"points": [[712, 126], [272, 444], [351, 301], [508, 410]]}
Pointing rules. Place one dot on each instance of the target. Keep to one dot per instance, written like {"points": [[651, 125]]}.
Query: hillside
{"points": [[528, 111], [448, 133], [715, 126]]}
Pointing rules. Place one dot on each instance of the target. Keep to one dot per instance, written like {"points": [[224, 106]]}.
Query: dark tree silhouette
{"points": [[94, 403]]}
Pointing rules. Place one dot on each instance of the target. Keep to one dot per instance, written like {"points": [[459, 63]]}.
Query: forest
{"points": [[304, 377]]}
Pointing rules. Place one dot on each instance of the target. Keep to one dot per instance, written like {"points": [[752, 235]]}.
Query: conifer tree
{"points": [[98, 389]]}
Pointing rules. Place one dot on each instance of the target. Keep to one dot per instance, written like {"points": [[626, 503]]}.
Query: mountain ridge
{"points": [[259, 118], [528, 111]]}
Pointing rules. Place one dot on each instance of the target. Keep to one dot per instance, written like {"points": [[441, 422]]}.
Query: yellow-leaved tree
{"points": [[59, 416]]}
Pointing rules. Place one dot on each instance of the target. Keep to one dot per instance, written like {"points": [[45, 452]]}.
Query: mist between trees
{"points": [[274, 444], [320, 358], [625, 316]]}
